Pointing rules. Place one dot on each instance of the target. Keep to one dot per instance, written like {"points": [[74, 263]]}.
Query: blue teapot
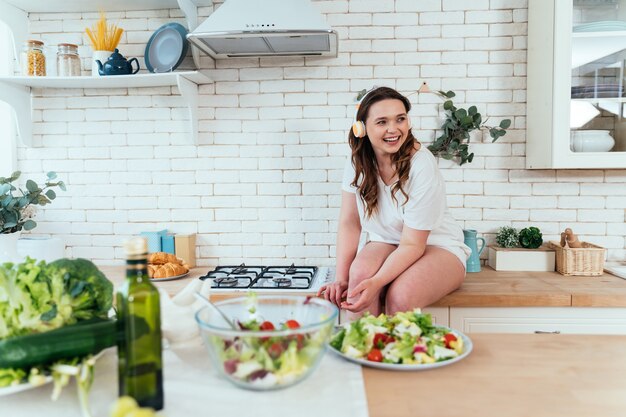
{"points": [[116, 64]]}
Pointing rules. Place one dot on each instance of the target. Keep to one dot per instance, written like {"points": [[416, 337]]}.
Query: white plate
{"points": [[467, 348], [169, 278], [14, 389]]}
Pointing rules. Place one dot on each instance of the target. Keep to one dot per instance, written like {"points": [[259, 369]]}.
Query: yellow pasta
{"points": [[103, 36]]}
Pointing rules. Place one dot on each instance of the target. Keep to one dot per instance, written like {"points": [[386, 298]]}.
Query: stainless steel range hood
{"points": [[255, 28]]}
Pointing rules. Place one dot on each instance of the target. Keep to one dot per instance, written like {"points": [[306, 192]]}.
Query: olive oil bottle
{"points": [[140, 372]]}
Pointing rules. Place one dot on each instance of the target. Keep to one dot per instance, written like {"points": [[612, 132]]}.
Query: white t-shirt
{"points": [[426, 208]]}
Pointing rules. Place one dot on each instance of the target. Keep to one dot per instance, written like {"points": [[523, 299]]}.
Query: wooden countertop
{"points": [[488, 288], [539, 375], [511, 375]]}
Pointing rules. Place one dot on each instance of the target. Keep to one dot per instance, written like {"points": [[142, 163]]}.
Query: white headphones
{"points": [[358, 127]]}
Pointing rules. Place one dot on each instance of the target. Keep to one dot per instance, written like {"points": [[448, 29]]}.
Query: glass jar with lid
{"points": [[33, 59], [68, 61]]}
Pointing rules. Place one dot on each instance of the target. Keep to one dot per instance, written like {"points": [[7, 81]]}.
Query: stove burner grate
{"points": [[227, 281], [262, 277], [282, 282]]}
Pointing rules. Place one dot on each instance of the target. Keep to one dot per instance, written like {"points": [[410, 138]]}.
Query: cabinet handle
{"points": [[544, 332]]}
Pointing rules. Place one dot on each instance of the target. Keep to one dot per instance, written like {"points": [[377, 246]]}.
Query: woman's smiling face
{"points": [[387, 126]]}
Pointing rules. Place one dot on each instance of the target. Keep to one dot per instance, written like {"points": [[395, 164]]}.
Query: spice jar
{"points": [[68, 61], [33, 59]]}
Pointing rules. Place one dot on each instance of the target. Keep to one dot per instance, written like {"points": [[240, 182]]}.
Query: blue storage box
{"points": [[154, 240], [167, 243]]}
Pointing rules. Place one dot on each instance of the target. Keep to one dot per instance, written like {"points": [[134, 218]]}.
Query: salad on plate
{"points": [[404, 339]]}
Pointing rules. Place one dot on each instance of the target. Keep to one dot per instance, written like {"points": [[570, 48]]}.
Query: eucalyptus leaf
{"points": [[51, 175], [447, 105], [51, 194], [32, 186], [29, 224], [505, 124]]}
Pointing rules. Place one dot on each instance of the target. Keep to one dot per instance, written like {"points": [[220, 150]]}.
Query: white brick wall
{"points": [[263, 184]]}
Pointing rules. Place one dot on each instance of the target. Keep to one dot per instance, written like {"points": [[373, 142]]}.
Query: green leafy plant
{"points": [[530, 238], [17, 210], [459, 122], [507, 237]]}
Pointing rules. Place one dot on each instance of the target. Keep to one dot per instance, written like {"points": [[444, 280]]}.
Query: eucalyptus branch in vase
{"points": [[17, 211], [457, 126]]}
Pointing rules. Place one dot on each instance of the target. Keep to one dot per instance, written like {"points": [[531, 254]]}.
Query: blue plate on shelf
{"points": [[166, 48]]}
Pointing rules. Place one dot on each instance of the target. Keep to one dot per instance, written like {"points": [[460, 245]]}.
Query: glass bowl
{"points": [[257, 357]]}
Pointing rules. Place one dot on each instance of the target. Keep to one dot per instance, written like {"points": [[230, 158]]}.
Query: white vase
{"points": [[101, 56], [8, 247], [41, 248]]}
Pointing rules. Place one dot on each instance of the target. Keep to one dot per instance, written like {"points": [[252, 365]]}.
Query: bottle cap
{"points": [[136, 246]]}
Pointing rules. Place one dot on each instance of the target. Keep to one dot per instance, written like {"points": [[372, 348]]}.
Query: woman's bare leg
{"points": [[367, 262], [437, 273]]}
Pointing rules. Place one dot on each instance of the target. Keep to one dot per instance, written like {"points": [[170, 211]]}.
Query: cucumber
{"points": [[76, 340]]}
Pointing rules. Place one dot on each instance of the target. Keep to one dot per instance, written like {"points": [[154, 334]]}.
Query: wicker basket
{"points": [[587, 261]]}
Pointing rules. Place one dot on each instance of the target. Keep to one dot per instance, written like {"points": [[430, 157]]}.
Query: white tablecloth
{"points": [[192, 389]]}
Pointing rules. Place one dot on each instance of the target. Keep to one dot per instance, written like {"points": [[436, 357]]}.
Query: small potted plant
{"points": [[17, 209], [520, 251], [457, 126]]}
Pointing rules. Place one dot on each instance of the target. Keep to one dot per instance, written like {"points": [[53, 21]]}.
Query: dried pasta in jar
{"points": [[33, 59]]}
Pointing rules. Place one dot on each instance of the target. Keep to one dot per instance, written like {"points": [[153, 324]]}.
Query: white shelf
{"points": [[599, 34], [590, 46], [111, 81], [17, 92], [50, 6]]}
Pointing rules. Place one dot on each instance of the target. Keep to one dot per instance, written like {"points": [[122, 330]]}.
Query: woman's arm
{"points": [[411, 248], [348, 234]]}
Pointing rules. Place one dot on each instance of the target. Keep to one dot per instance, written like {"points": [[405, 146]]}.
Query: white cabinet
{"points": [[576, 83], [581, 320], [16, 91]]}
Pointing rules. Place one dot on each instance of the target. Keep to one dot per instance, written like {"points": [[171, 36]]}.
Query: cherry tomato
{"points": [[375, 355], [292, 324], [267, 325], [380, 340], [275, 350], [447, 338]]}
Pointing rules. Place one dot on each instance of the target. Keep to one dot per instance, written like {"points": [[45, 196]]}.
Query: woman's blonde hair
{"points": [[364, 159]]}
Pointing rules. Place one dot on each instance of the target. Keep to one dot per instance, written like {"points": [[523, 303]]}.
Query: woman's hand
{"points": [[366, 291], [334, 292]]}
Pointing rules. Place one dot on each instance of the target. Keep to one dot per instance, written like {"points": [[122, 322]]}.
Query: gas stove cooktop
{"points": [[263, 278]]}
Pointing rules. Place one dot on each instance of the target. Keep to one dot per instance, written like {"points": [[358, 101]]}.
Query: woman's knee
{"points": [[399, 299], [358, 273]]}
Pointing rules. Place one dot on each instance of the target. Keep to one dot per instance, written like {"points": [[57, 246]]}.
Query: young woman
{"points": [[393, 190]]}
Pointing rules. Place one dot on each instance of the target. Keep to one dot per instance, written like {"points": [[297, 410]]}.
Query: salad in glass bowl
{"points": [[279, 340], [405, 340]]}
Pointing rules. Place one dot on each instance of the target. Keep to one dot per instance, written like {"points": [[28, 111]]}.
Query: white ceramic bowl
{"points": [[591, 141]]}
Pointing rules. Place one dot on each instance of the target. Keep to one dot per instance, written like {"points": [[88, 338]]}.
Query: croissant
{"points": [[161, 258], [169, 269], [151, 269]]}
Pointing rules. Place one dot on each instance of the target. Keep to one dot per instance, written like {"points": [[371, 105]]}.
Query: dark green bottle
{"points": [[140, 372]]}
